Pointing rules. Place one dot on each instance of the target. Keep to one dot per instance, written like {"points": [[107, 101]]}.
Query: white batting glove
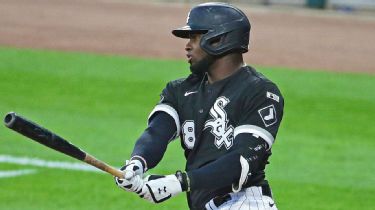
{"points": [[158, 188], [134, 184], [133, 176], [133, 168]]}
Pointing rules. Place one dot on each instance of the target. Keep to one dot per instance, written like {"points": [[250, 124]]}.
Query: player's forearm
{"points": [[227, 169], [153, 142]]}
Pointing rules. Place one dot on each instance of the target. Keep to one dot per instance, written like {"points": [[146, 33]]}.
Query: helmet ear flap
{"points": [[216, 41], [213, 44], [227, 39]]}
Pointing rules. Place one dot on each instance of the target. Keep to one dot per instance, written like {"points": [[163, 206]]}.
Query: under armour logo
{"points": [[219, 124], [164, 189]]}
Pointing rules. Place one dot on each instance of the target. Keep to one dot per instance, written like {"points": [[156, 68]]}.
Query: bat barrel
{"points": [[43, 136], [9, 119]]}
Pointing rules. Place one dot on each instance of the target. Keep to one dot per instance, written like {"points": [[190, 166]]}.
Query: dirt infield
{"points": [[287, 38]]}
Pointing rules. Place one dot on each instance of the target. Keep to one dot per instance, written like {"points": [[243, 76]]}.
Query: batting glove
{"points": [[158, 188], [133, 174], [133, 168], [135, 184]]}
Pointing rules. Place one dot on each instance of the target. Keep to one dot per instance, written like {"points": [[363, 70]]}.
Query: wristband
{"points": [[142, 160], [184, 180]]}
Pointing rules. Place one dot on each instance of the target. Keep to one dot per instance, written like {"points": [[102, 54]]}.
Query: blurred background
{"points": [[311, 34], [348, 5], [92, 70]]}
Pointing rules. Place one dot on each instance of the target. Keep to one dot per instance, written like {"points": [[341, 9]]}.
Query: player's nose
{"points": [[188, 46]]}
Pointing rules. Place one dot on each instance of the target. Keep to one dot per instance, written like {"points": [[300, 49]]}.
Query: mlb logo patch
{"points": [[268, 115], [273, 96]]}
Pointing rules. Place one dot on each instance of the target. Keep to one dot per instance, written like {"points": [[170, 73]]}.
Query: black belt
{"points": [[266, 190]]}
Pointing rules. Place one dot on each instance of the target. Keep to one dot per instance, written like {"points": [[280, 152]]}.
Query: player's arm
{"points": [[163, 126], [226, 169], [148, 151], [152, 144]]}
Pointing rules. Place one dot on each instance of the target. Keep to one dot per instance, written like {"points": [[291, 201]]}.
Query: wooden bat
{"points": [[43, 136]]}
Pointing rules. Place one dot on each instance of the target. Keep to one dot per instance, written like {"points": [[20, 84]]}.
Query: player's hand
{"points": [[132, 168], [134, 184], [133, 176], [159, 188]]}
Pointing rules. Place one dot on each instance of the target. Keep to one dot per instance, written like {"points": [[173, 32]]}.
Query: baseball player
{"points": [[225, 113]]}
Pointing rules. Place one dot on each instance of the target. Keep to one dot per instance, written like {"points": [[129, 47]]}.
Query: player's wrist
{"points": [[183, 178], [141, 160]]}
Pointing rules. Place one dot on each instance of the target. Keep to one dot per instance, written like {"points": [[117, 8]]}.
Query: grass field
{"points": [[323, 158]]}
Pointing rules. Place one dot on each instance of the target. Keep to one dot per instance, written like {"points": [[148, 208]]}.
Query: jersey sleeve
{"points": [[168, 104], [261, 114]]}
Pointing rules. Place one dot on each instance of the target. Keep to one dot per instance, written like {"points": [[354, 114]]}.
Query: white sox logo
{"points": [[219, 124]]}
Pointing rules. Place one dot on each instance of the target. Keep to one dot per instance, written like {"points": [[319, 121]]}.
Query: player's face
{"points": [[194, 52]]}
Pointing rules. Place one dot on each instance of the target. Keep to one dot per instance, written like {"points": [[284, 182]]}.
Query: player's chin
{"points": [[194, 61], [190, 61]]}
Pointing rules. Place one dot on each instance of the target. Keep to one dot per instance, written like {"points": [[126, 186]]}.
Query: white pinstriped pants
{"points": [[247, 199]]}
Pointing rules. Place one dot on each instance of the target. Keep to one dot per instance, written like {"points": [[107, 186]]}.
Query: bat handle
{"points": [[103, 166]]}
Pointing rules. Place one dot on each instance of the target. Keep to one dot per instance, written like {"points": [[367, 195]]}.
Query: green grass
{"points": [[322, 160]]}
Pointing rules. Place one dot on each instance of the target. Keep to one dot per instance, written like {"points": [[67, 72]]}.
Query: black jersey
{"points": [[209, 116]]}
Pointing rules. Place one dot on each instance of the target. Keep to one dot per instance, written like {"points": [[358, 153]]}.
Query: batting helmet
{"points": [[225, 28]]}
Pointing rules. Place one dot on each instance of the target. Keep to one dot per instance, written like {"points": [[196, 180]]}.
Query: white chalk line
{"points": [[40, 163], [6, 174]]}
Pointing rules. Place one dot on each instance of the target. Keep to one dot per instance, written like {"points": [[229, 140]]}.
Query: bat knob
{"points": [[9, 119]]}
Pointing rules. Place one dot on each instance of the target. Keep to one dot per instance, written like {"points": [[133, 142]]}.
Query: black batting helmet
{"points": [[226, 28]]}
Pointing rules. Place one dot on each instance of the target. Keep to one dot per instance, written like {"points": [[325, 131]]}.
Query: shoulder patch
{"points": [[268, 115], [273, 96]]}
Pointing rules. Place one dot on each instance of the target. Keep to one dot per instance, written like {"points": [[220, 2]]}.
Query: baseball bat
{"points": [[43, 136]]}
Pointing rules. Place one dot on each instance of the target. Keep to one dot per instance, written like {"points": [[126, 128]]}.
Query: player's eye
{"points": [[194, 36]]}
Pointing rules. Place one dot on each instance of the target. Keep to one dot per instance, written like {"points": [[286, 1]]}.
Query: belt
{"points": [[266, 190], [219, 200]]}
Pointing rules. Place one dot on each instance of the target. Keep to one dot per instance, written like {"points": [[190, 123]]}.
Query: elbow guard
{"points": [[245, 168], [252, 151]]}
